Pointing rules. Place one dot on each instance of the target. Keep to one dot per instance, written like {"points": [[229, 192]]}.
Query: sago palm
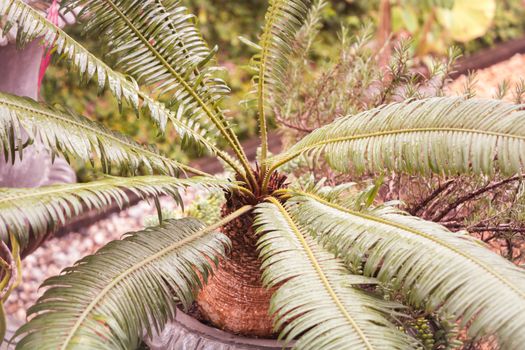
{"points": [[296, 261]]}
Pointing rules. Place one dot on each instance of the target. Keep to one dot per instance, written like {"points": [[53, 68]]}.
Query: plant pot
{"points": [[19, 72], [187, 333]]}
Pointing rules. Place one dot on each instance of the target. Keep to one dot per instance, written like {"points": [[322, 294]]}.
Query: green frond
{"points": [[433, 267], [282, 21], [36, 211], [448, 135], [31, 24], [131, 286], [158, 44], [74, 135], [315, 301]]}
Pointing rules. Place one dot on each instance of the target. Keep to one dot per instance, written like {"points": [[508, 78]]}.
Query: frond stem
{"points": [[244, 190], [147, 261]]}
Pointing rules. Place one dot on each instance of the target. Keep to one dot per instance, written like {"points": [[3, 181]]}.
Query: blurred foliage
{"points": [[509, 23], [471, 25]]}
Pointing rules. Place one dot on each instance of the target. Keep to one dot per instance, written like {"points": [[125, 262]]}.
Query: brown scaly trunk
{"points": [[234, 299]]}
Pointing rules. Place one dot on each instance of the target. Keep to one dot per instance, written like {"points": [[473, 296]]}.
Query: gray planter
{"points": [[187, 333], [19, 76]]}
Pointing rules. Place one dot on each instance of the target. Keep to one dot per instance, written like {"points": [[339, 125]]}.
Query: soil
{"points": [[488, 79]]}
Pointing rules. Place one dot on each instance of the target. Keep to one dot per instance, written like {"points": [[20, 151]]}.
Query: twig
{"points": [[443, 213], [497, 229], [292, 126], [431, 196]]}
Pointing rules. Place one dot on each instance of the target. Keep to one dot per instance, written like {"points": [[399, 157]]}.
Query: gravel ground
{"points": [[487, 79], [61, 252]]}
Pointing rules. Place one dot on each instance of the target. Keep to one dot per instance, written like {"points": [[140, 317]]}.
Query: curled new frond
{"points": [[283, 20], [23, 120], [434, 268], [449, 135], [131, 286], [31, 213], [316, 302]]}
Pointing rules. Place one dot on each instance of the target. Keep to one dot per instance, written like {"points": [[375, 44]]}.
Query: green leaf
{"points": [[107, 300], [434, 268], [316, 302], [158, 44], [36, 211], [70, 134], [468, 20], [447, 135]]}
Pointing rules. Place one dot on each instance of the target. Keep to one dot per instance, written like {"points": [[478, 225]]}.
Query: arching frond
{"points": [[448, 135], [315, 301], [158, 44], [36, 211], [31, 24], [283, 19], [433, 267], [107, 300], [73, 135]]}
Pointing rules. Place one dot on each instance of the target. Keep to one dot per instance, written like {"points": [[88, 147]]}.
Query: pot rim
{"points": [[195, 326]]}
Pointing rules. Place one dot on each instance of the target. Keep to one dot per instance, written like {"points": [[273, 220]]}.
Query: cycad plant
{"points": [[321, 266]]}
